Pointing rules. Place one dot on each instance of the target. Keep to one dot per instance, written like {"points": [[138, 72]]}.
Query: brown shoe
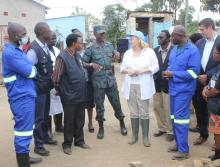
{"points": [[199, 141], [180, 156], [172, 149]]}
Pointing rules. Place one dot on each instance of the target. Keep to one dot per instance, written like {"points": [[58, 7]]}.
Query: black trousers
{"points": [[46, 122], [41, 119], [74, 120], [200, 106]]}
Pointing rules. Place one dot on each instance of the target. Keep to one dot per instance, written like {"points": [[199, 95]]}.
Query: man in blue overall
{"points": [[18, 74], [182, 71]]}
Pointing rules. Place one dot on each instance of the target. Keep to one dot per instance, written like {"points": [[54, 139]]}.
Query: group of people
{"points": [[41, 81], [178, 71]]}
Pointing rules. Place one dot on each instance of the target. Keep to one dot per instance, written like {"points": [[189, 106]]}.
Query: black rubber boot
{"points": [[23, 160], [100, 134]]}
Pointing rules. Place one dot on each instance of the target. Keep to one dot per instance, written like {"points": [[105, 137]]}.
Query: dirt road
{"points": [[112, 151]]}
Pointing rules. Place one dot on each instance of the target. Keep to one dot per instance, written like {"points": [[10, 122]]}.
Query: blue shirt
{"points": [[185, 65], [18, 73]]}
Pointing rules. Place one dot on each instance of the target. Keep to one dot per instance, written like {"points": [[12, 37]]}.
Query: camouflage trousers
{"points": [[113, 96]]}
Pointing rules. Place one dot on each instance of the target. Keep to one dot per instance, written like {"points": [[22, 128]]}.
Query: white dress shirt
{"points": [[207, 50], [31, 54], [147, 59], [54, 56]]}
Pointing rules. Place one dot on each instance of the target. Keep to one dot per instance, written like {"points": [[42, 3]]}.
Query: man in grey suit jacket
{"points": [[205, 46]]}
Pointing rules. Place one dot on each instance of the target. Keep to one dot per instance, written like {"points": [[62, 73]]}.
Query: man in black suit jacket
{"points": [[161, 98], [205, 46]]}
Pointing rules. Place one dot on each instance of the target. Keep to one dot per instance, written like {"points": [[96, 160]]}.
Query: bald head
{"points": [[15, 29], [179, 29], [53, 39], [179, 35], [16, 32], [42, 31]]}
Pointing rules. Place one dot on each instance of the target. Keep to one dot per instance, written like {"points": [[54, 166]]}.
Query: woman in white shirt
{"points": [[139, 64]]}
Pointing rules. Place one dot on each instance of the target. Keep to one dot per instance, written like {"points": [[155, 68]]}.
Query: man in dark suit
{"points": [[161, 98], [205, 46]]}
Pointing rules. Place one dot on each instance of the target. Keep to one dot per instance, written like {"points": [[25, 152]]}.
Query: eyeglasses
{"points": [[159, 37]]}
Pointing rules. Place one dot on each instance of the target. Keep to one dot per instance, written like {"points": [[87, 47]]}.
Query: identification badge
{"points": [[212, 83]]}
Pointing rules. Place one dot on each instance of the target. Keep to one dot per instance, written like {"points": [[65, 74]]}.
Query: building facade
{"points": [[25, 12]]}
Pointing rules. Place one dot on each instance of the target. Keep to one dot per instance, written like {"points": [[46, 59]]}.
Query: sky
{"points": [[60, 8]]}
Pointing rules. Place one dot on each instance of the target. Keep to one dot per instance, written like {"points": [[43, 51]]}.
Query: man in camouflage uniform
{"points": [[99, 56]]}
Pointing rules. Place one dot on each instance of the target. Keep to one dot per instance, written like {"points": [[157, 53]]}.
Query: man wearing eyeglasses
{"points": [[161, 98]]}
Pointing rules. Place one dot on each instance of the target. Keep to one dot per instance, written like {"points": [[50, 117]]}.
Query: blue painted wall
{"points": [[64, 25], [158, 27]]}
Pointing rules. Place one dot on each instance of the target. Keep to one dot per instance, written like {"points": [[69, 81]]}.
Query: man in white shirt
{"points": [[39, 56], [205, 46]]}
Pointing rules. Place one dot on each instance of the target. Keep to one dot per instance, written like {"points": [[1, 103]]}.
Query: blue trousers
{"points": [[41, 120], [180, 116], [23, 111]]}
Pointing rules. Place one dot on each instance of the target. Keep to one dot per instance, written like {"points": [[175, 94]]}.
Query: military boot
{"points": [[23, 160], [135, 130], [100, 134], [145, 132]]}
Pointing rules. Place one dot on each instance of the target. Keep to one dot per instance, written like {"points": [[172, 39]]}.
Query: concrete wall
{"points": [[64, 25], [33, 11]]}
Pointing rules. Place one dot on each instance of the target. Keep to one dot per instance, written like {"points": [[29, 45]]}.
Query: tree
{"points": [[173, 6], [114, 19], [192, 28], [212, 5], [161, 5], [144, 7], [182, 15], [92, 20], [78, 11]]}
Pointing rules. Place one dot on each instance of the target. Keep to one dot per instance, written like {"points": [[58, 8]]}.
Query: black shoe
{"points": [[100, 134], [23, 160], [159, 133], [170, 137], [34, 160], [67, 150], [194, 129], [83, 146], [59, 129], [51, 141], [123, 128], [124, 131], [91, 129], [214, 157], [41, 151]]}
